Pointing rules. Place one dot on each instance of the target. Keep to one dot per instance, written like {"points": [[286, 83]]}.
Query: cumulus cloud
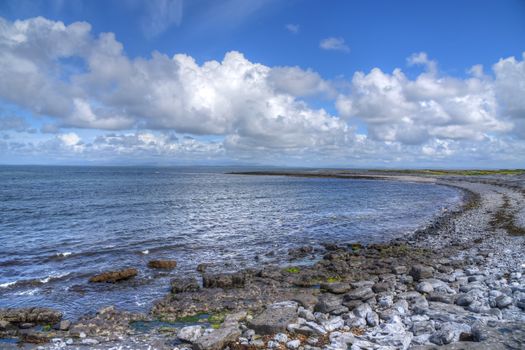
{"points": [[238, 109], [335, 44], [430, 106], [233, 97]]}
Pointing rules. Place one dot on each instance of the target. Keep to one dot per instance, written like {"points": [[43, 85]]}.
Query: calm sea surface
{"points": [[60, 225]]}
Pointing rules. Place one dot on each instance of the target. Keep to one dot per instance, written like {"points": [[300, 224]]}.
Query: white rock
{"points": [[190, 333], [281, 338], [293, 344]]}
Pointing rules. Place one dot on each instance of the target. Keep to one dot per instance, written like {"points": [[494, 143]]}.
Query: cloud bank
{"points": [[164, 107]]}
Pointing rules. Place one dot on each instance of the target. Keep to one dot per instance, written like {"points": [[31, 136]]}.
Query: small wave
{"points": [[34, 282], [145, 252], [29, 292], [54, 277], [7, 284], [63, 255]]}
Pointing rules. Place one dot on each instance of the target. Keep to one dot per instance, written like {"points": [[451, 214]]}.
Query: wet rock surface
{"points": [[114, 276], [458, 284]]}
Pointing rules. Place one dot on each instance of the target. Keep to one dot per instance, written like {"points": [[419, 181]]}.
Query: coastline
{"points": [[406, 293]]}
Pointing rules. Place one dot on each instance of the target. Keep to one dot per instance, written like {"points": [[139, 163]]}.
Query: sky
{"points": [[353, 84]]}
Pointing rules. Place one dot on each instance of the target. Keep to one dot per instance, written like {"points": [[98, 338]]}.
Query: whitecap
{"points": [[145, 252], [28, 292], [7, 284], [64, 254], [55, 276]]}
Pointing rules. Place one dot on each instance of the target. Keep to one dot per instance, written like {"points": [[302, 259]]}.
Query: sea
{"points": [[59, 225]]}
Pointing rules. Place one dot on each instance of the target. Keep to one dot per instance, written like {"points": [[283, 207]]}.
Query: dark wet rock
{"points": [[114, 276], [399, 269], [301, 252], [336, 287], [218, 339], [34, 338], [441, 297], [382, 287], [273, 319], [419, 272], [182, 285], [464, 300], [224, 280], [162, 264], [202, 267], [362, 293], [328, 303], [37, 315]]}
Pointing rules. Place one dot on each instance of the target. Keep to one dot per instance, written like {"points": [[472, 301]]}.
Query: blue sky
{"points": [[327, 71]]}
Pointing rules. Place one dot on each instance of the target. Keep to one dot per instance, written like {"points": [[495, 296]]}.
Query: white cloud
{"points": [[251, 111], [399, 109], [336, 44], [293, 28]]}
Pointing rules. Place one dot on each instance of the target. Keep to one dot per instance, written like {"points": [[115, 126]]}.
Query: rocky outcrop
{"points": [[162, 264], [114, 276], [224, 280], [182, 285]]}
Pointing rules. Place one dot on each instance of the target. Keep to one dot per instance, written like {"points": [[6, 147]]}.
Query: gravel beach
{"points": [[457, 284]]}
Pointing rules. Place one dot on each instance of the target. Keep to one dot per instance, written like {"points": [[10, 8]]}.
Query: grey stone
{"points": [[293, 344], [281, 338], [419, 272], [399, 269], [362, 293], [190, 333], [464, 300], [503, 301], [362, 310], [372, 319], [273, 320], [64, 325], [217, 339], [328, 303], [336, 288], [424, 287]]}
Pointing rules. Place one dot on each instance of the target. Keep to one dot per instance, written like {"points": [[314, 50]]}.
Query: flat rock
{"points": [[181, 285], [419, 272], [114, 276], [217, 339], [273, 320], [336, 287], [37, 315], [362, 293], [224, 280], [162, 264]]}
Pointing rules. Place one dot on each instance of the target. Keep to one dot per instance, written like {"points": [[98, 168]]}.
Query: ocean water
{"points": [[60, 225]]}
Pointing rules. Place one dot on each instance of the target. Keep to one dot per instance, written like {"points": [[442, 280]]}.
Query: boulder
{"points": [[37, 315], [162, 264], [419, 272], [217, 339], [224, 280], [273, 320], [190, 333], [328, 303], [362, 293], [114, 276], [336, 287], [181, 285]]}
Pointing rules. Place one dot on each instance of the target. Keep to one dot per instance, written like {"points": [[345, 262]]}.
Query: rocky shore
{"points": [[457, 284]]}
